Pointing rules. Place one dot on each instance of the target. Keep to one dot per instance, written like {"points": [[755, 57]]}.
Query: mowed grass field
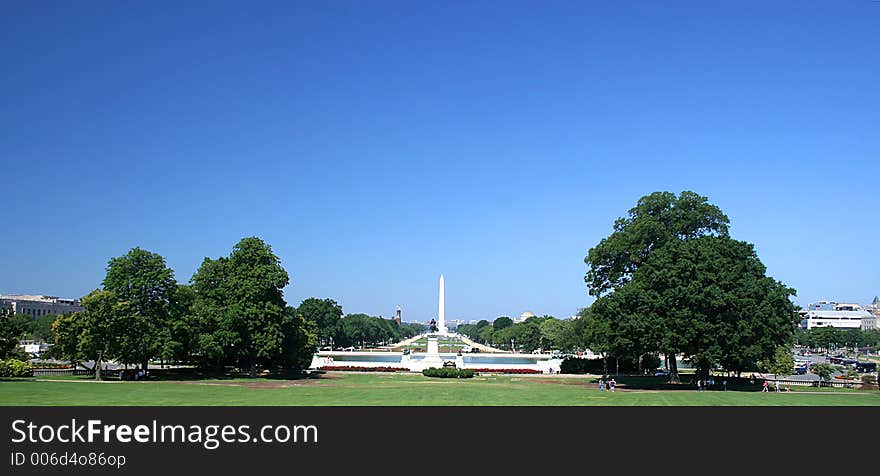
{"points": [[344, 389]]}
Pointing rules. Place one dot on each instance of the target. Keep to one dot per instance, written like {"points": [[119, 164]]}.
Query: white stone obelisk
{"points": [[441, 312]]}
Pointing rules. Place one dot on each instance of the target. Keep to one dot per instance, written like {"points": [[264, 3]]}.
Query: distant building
{"points": [[525, 316], [874, 307], [39, 306], [834, 314], [872, 323]]}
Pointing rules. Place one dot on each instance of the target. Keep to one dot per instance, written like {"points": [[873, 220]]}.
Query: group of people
{"points": [[610, 384], [710, 382], [141, 374], [766, 387]]}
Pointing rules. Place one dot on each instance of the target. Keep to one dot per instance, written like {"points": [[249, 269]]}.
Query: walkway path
{"points": [[465, 339], [483, 348]]}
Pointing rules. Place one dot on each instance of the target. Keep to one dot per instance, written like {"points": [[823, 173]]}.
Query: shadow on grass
{"points": [[197, 374], [688, 382], [178, 375]]}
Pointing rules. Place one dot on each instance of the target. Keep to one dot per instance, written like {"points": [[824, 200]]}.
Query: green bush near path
{"points": [[15, 368], [448, 372]]}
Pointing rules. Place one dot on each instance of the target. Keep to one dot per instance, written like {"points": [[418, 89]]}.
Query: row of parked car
{"points": [[861, 367]]}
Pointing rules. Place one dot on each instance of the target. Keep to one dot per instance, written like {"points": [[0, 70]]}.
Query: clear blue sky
{"points": [[376, 145]]}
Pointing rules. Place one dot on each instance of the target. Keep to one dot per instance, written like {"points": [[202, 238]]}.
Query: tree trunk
{"points": [[98, 375], [253, 373], [673, 369]]}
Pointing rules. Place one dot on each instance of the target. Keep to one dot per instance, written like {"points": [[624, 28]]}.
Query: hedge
{"points": [[508, 371], [15, 368], [448, 372]]}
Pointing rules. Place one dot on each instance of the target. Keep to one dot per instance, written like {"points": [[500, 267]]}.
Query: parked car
{"points": [[866, 367]]}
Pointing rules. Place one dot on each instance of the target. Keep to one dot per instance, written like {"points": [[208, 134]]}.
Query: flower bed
{"points": [[352, 368], [508, 371], [50, 365]]}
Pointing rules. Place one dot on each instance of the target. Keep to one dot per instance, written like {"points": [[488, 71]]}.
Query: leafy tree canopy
{"points": [[656, 219]]}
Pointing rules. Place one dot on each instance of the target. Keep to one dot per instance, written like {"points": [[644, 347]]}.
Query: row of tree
{"points": [[337, 330], [535, 333], [669, 281], [17, 327], [829, 338], [232, 314]]}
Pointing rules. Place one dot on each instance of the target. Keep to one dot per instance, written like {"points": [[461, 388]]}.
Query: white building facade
{"points": [[39, 306], [835, 314]]}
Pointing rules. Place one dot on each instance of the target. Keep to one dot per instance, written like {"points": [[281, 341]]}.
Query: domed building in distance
{"points": [[525, 315]]}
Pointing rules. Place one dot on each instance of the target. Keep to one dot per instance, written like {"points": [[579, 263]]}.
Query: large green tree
{"points": [[707, 298], [142, 278], [66, 330], [11, 330], [657, 219], [502, 322], [668, 279], [178, 339], [324, 313], [91, 334], [104, 318], [300, 339], [239, 306]]}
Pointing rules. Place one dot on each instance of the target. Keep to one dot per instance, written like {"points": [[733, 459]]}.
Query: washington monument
{"points": [[441, 311]]}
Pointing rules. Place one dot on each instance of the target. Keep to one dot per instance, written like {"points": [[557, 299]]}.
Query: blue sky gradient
{"points": [[376, 145]]}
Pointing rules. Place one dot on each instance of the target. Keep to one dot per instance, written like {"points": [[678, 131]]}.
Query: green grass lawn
{"points": [[338, 389]]}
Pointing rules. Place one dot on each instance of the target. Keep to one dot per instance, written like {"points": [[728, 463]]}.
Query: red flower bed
{"points": [[508, 371], [351, 368], [49, 365]]}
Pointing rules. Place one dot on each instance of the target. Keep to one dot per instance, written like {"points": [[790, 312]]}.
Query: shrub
{"points": [[869, 381], [448, 372], [573, 365], [15, 368], [508, 371]]}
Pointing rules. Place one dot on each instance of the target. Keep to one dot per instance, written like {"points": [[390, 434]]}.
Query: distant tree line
{"points": [[337, 330], [826, 338], [535, 333]]}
